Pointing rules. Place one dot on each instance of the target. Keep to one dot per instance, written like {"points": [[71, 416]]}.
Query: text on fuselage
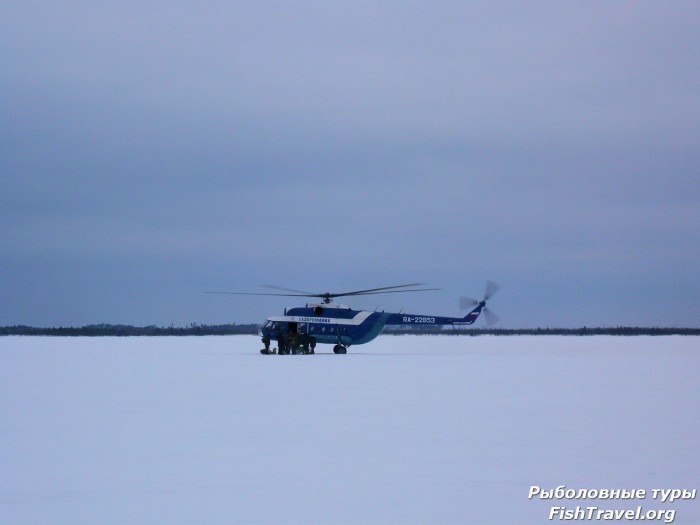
{"points": [[417, 319]]}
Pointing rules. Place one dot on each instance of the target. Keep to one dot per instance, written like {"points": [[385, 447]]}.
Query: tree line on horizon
{"points": [[123, 330], [194, 329]]}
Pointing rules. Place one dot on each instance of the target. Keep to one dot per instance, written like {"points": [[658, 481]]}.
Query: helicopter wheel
{"points": [[340, 349]]}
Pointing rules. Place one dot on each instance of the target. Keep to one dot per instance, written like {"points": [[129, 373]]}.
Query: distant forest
{"points": [[120, 330]]}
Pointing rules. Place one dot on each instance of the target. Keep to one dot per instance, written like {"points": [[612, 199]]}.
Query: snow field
{"points": [[406, 429]]}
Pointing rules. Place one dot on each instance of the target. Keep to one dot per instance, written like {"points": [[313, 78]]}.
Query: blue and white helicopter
{"points": [[300, 329]]}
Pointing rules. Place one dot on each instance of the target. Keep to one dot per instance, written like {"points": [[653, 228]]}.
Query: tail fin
{"points": [[479, 306], [474, 314]]}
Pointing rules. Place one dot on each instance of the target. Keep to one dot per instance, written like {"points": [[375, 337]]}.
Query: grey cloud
{"points": [[552, 144]]}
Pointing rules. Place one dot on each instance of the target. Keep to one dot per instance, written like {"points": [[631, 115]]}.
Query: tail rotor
{"points": [[491, 318], [491, 289], [466, 303]]}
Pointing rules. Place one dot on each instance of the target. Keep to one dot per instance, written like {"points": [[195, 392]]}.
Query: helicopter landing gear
{"points": [[340, 349]]}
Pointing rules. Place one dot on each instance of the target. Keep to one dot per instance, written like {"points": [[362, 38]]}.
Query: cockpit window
{"points": [[267, 324]]}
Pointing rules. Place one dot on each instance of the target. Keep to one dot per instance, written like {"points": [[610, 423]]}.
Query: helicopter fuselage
{"points": [[340, 325]]}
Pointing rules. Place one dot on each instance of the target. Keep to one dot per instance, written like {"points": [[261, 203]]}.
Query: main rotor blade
{"points": [[274, 294], [366, 292], [310, 294], [328, 295], [391, 291]]}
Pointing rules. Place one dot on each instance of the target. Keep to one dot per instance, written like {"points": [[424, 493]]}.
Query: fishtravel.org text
{"points": [[595, 513]]}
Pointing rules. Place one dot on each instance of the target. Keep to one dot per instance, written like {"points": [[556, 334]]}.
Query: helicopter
{"points": [[300, 329]]}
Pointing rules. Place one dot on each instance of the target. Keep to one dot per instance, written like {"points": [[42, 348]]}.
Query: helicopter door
{"points": [[292, 328]]}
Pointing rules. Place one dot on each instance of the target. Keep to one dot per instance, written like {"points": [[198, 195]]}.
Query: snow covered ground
{"points": [[404, 430]]}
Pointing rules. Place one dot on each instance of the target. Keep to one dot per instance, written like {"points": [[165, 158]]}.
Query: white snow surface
{"points": [[404, 430]]}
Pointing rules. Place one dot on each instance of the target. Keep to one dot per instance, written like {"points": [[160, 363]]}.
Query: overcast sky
{"points": [[150, 151]]}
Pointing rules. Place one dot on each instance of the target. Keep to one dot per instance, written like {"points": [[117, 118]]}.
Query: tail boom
{"points": [[427, 320]]}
